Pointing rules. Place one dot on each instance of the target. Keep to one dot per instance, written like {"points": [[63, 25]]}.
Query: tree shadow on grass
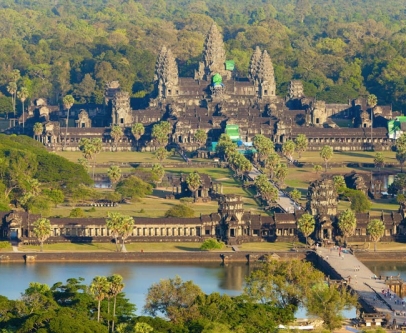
{"points": [[353, 154], [186, 248]]}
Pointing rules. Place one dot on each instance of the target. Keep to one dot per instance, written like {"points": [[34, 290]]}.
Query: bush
{"points": [[4, 244], [186, 201], [133, 188], [180, 211], [77, 212], [91, 210], [211, 244], [142, 210]]}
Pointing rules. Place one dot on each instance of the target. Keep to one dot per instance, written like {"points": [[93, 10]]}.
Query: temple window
{"points": [[121, 120]]}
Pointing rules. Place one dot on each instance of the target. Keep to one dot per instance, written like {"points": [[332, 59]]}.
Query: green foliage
{"points": [[326, 154], [284, 284], [77, 212], [180, 211], [339, 183], [263, 145], [328, 302], [301, 144], [359, 200], [42, 230], [211, 244], [174, 298], [161, 154], [376, 229], [133, 188], [306, 224], [347, 223], [54, 195], [4, 245], [288, 148], [295, 194], [186, 201]]}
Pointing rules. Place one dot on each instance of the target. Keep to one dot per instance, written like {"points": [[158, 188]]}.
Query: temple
{"points": [[214, 98]]}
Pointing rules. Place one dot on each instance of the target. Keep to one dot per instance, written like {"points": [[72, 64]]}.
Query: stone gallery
{"points": [[211, 100]]}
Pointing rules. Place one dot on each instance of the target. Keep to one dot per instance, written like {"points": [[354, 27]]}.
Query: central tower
{"points": [[214, 57]]}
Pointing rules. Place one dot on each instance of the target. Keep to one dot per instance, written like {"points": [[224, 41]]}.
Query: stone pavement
{"points": [[363, 282]]}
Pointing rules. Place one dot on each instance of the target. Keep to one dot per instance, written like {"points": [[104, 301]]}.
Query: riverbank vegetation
{"points": [[273, 292]]}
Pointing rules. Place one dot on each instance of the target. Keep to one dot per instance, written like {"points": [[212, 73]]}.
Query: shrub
{"points": [[77, 212], [180, 211], [91, 210], [4, 244], [211, 244], [186, 201], [142, 210]]}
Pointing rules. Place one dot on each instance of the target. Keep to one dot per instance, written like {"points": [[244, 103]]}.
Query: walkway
{"points": [[363, 282], [286, 203]]}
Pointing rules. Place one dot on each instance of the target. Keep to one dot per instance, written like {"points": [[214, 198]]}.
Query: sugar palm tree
{"points": [[138, 131], [12, 90], [193, 181], [116, 286], [376, 229], [116, 134], [68, 102], [38, 129], [114, 174], [22, 95], [99, 289], [126, 229], [372, 101], [306, 224], [42, 230]]}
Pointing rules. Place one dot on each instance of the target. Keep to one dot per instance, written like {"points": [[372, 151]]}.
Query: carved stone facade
{"points": [[322, 198], [214, 57], [251, 103], [83, 120]]}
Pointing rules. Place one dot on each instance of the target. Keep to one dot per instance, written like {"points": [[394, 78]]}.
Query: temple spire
{"points": [[170, 69], [214, 56], [254, 63], [266, 76], [159, 64]]}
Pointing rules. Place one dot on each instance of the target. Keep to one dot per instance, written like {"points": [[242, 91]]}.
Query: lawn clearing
{"points": [[111, 247]]}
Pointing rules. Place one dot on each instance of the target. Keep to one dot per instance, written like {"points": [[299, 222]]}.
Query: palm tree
{"points": [[347, 223], [38, 129], [22, 95], [116, 286], [116, 133], [326, 154], [12, 90], [138, 131], [372, 101], [99, 289], [193, 181], [42, 230], [306, 224], [126, 229], [113, 225], [68, 102], [114, 174], [200, 136], [157, 173], [376, 229]]}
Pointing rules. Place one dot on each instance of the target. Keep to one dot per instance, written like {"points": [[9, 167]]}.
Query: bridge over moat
{"points": [[371, 290]]}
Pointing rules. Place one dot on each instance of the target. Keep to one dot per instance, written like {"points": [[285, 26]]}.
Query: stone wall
{"points": [[197, 256]]}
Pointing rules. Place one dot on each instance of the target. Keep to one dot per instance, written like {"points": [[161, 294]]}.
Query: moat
{"points": [[138, 277]]}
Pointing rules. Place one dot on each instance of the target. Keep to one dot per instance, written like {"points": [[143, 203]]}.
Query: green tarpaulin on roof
{"points": [[230, 65], [217, 79], [233, 132]]}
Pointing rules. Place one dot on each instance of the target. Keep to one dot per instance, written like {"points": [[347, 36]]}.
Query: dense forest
{"points": [[339, 48]]}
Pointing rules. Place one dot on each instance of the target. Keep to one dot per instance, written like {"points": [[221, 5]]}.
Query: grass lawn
{"points": [[271, 247], [119, 157], [151, 206], [110, 247], [8, 248], [381, 246], [157, 247], [347, 157]]}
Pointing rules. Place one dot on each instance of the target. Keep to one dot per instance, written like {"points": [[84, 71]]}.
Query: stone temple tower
{"points": [[214, 57], [266, 77], [231, 211], [166, 74], [254, 64], [119, 102], [322, 203]]}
